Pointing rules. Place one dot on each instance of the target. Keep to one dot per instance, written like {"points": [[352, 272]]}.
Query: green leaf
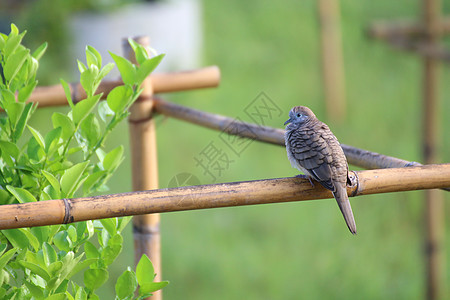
{"points": [[14, 30], [26, 113], [112, 250], [93, 57], [41, 233], [49, 253], [81, 229], [2, 249], [59, 296], [91, 251], [126, 284], [55, 267], [119, 98], [37, 136], [31, 238], [52, 230], [109, 225], [7, 97], [104, 111], [51, 138], [2, 41], [25, 92], [151, 287], [140, 52], [81, 266], [90, 130], [52, 180], [147, 67], [66, 124], [113, 159], [22, 195], [92, 180], [17, 238], [35, 152], [35, 290], [36, 269], [9, 149], [81, 67], [62, 241], [144, 271], [15, 62], [105, 70], [67, 92], [72, 232], [63, 285], [126, 68], [81, 294], [84, 107], [72, 177], [12, 43], [5, 258], [14, 111], [40, 51], [32, 66], [95, 278], [88, 80]]}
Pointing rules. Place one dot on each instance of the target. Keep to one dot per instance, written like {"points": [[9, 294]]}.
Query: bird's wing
{"points": [[312, 152]]}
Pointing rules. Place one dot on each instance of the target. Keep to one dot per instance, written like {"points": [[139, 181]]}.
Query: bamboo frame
{"points": [[161, 82], [332, 60], [434, 205], [404, 35], [144, 162], [355, 156], [265, 191], [421, 48], [383, 29]]}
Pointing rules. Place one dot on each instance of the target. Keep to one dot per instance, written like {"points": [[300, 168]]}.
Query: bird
{"points": [[314, 150]]}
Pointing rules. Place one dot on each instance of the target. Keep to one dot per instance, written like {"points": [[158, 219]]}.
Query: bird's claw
{"points": [[305, 177]]}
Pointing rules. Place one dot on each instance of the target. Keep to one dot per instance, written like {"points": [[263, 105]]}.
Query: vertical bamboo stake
{"points": [[332, 61], [434, 207], [145, 170]]}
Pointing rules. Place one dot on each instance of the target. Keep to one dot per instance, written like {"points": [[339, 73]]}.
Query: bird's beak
{"points": [[288, 121]]}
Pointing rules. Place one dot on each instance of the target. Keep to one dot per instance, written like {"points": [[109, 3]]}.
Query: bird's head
{"points": [[299, 115]]}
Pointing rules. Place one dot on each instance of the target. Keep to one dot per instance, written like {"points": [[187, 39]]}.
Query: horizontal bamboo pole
{"points": [[217, 195], [387, 29], [402, 38], [161, 82], [420, 47], [355, 156]]}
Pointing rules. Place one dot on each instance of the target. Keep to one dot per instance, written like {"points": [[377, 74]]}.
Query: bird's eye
{"points": [[299, 115]]}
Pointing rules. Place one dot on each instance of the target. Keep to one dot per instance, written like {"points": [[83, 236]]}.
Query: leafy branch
{"points": [[39, 263]]}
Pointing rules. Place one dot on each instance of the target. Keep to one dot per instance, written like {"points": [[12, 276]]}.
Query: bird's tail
{"points": [[344, 204]]}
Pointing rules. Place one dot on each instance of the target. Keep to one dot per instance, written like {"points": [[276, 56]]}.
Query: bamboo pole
{"points": [[217, 195], [355, 156], [403, 28], [332, 61], [144, 161], [422, 48], [162, 83], [434, 205]]}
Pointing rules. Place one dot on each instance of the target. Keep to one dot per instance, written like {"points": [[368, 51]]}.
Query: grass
{"points": [[296, 250]]}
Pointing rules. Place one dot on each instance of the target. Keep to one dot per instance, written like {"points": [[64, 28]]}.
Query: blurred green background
{"points": [[293, 250]]}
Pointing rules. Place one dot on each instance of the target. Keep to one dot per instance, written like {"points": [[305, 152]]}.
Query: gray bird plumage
{"points": [[313, 149]]}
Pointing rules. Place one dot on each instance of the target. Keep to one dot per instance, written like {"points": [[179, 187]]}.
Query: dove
{"points": [[314, 150]]}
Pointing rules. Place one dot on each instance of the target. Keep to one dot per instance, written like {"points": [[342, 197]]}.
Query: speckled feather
{"points": [[313, 149]]}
